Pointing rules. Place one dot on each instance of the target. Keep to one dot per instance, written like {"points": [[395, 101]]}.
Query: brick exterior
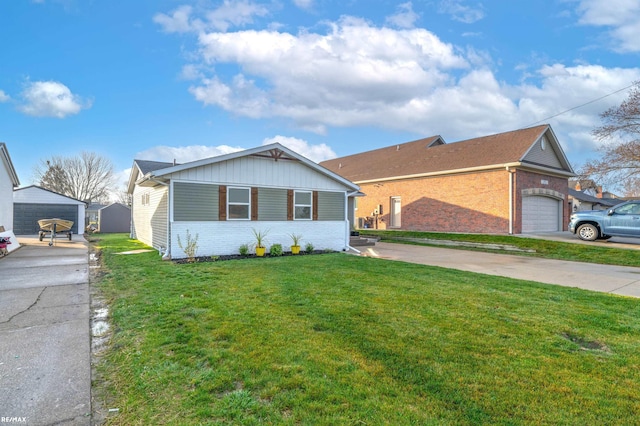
{"points": [[468, 202]]}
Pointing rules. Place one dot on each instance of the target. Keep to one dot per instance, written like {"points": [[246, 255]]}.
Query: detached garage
{"points": [[33, 203]]}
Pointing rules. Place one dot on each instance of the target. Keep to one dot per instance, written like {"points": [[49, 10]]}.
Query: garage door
{"points": [[26, 216], [540, 214]]}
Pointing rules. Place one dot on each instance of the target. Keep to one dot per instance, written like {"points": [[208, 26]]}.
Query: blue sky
{"points": [[165, 79]]}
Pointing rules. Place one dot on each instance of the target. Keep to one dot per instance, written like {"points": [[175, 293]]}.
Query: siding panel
{"points": [[195, 202], [272, 204], [331, 205]]}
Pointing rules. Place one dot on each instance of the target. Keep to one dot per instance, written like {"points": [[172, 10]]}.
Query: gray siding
{"points": [[331, 205], [272, 204], [547, 156], [195, 202]]}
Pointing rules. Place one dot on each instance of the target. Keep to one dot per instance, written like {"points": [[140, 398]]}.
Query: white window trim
{"points": [[310, 205], [229, 188]]}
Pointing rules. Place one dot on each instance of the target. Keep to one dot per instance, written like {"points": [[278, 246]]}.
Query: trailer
{"points": [[53, 227]]}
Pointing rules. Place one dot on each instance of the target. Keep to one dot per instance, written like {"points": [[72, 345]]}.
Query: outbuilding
{"points": [[115, 217], [33, 203]]}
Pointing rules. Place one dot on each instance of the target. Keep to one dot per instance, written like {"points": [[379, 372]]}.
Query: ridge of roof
{"points": [[147, 166], [414, 158]]}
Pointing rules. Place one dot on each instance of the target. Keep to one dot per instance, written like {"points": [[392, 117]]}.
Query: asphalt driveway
{"points": [[45, 372], [619, 280]]}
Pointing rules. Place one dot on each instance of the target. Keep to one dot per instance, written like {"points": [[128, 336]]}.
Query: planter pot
{"points": [[260, 251], [295, 249], [355, 233]]}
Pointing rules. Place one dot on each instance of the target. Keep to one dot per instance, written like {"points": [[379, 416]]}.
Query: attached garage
{"points": [[33, 203], [541, 214]]}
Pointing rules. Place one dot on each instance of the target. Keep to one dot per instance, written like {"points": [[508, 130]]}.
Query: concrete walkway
{"points": [[621, 280], [45, 372]]}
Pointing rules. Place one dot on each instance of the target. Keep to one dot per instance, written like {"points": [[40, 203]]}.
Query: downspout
{"points": [[511, 173]]}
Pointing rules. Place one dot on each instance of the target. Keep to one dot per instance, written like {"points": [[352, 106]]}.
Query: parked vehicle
{"points": [[620, 221]]}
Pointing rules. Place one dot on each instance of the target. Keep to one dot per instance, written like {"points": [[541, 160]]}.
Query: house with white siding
{"points": [[8, 181], [224, 199]]}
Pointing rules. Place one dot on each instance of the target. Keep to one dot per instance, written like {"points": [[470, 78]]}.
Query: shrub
{"points": [[309, 248], [275, 250], [191, 246], [244, 250]]}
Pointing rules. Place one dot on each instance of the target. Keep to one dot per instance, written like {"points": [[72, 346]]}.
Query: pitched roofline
{"points": [[53, 192], [528, 166], [6, 159], [556, 147], [246, 153]]}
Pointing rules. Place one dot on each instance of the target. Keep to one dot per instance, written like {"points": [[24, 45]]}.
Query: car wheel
{"points": [[588, 232]]}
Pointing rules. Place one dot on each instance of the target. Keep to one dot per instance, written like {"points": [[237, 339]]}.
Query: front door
{"points": [[395, 213]]}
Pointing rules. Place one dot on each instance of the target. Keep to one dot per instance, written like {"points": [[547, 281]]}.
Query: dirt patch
{"points": [[586, 344]]}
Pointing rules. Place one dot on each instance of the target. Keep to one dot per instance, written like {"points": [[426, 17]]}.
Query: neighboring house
{"points": [[115, 217], [91, 215], [8, 181], [224, 199], [580, 201], [513, 182], [33, 203]]}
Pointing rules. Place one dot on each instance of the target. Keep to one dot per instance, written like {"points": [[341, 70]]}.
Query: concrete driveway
{"points": [[568, 237], [619, 280], [45, 372]]}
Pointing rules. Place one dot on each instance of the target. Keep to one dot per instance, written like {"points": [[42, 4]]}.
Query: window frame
{"points": [[296, 205], [248, 203]]}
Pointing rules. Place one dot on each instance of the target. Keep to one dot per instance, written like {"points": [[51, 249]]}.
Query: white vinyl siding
{"points": [[331, 205], [195, 201], [150, 221], [272, 204]]}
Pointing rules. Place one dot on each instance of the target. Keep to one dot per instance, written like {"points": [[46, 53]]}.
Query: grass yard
{"points": [[543, 248], [336, 339]]}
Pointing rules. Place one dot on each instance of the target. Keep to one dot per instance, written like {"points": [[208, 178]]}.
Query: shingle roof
{"points": [[151, 166], [417, 157], [579, 195]]}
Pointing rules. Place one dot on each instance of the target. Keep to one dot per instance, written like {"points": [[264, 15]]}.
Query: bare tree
{"points": [[620, 163], [87, 177]]}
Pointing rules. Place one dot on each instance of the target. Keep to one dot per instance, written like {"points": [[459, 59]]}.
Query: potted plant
{"points": [[295, 247], [260, 242]]}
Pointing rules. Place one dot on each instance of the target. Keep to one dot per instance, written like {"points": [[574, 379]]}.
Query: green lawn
{"points": [[336, 339], [541, 248]]}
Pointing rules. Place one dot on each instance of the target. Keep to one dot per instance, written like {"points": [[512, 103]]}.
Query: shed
{"points": [[33, 203], [113, 218]]}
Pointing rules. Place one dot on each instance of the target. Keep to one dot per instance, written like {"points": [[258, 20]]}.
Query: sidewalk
{"points": [[44, 333], [620, 280]]}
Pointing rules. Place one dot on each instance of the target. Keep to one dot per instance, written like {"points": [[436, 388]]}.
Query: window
{"points": [[302, 205], [145, 199], [632, 208], [239, 203]]}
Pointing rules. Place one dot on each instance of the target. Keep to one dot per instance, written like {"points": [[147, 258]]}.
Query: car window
{"points": [[633, 208]]}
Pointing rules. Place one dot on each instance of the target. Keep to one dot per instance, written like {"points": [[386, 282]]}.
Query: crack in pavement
{"points": [[27, 309], [626, 285]]}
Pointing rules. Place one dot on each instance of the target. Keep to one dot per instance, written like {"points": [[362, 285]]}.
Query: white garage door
{"points": [[540, 214]]}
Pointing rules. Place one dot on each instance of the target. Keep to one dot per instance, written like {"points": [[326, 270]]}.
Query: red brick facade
{"points": [[467, 202]]}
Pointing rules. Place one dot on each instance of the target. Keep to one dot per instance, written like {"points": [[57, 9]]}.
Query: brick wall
{"points": [[472, 202]]}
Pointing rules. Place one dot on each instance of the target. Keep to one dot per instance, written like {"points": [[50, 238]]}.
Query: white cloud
{"points": [[51, 99], [4, 97], [356, 74], [315, 153], [231, 13], [460, 12], [405, 18], [185, 154], [303, 4], [621, 16]]}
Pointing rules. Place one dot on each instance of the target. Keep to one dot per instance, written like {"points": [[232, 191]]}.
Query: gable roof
{"points": [[422, 157], [31, 188], [8, 164], [275, 151]]}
